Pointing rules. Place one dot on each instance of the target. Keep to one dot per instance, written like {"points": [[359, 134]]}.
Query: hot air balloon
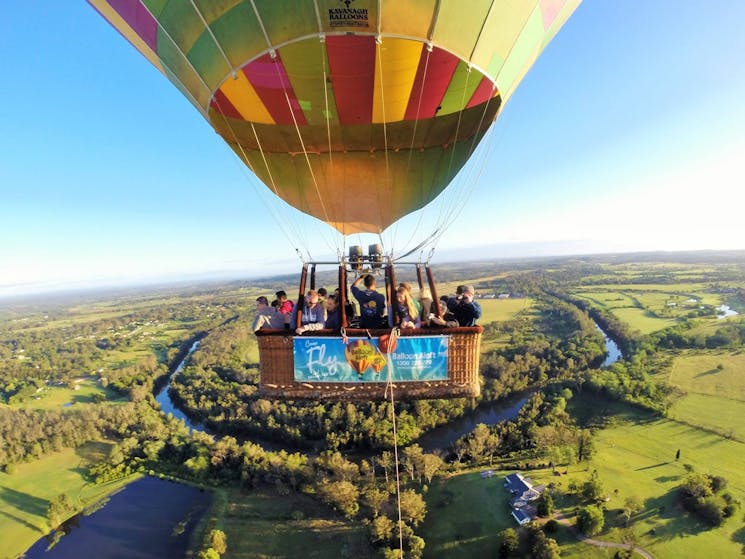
{"points": [[356, 112]]}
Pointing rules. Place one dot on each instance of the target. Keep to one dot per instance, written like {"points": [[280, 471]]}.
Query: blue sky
{"points": [[627, 134]]}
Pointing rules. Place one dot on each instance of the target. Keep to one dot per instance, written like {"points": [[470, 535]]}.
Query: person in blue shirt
{"points": [[372, 303], [464, 308]]}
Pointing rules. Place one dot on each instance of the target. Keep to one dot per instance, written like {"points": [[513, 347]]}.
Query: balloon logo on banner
{"points": [[361, 355]]}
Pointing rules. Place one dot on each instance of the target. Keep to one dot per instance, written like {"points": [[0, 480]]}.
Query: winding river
{"points": [[439, 437], [152, 519], [164, 397]]}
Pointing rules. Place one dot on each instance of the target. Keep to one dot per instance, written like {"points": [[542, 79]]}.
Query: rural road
{"points": [[561, 519]]}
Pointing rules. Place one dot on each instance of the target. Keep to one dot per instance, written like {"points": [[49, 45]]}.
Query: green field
{"points": [[724, 416], [642, 320], [466, 512], [636, 457], [629, 309], [62, 397], [500, 310], [715, 391], [720, 373], [464, 515], [25, 494], [264, 524]]}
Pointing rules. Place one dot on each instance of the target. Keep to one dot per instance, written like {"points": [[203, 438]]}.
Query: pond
{"points": [[148, 519], [723, 311]]}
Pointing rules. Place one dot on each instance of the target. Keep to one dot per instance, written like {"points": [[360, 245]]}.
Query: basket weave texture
{"points": [[277, 378]]}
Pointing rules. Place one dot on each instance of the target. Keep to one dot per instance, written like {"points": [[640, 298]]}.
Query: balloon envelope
{"points": [[357, 112]]}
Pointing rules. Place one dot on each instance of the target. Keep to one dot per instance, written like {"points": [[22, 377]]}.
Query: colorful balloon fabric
{"points": [[357, 112]]}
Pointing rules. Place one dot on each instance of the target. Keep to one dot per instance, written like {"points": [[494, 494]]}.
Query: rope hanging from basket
{"points": [[391, 346]]}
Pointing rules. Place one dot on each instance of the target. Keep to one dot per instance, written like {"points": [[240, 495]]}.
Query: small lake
{"points": [[723, 311], [148, 519]]}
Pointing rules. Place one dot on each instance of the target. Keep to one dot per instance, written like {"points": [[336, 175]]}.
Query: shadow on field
{"points": [[20, 520], [739, 537], [709, 372], [677, 522], [24, 502], [652, 467], [666, 479]]}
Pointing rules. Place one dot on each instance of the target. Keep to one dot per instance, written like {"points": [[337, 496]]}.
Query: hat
{"points": [[469, 289]]}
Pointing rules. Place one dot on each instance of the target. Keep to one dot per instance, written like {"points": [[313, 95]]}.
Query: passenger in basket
{"points": [[285, 306], [266, 316], [333, 318], [448, 318], [372, 303], [466, 310], [426, 308], [407, 310], [313, 312]]}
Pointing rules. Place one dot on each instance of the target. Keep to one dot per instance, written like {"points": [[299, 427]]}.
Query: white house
{"points": [[523, 493]]}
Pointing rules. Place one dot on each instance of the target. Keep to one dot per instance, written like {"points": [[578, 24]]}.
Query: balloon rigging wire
{"points": [[390, 387], [491, 143], [379, 59], [214, 39], [327, 118], [273, 54], [171, 75], [464, 186], [416, 228], [464, 194], [204, 112], [273, 209]]}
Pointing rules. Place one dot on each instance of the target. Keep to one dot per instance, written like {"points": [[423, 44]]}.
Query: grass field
{"points": [[62, 397], [25, 494], [636, 457], [626, 308], [500, 310], [642, 320], [715, 391], [264, 524], [465, 514], [716, 373]]}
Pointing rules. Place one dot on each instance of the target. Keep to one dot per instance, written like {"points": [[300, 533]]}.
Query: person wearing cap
{"points": [[464, 308]]}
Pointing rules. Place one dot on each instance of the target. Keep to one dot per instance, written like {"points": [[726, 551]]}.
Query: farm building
{"points": [[523, 493]]}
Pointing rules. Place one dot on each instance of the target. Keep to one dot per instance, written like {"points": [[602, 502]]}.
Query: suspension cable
{"points": [[389, 386], [244, 155], [428, 48], [379, 52]]}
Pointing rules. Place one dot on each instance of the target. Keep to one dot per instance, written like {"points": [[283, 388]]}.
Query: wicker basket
{"points": [[278, 369]]}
